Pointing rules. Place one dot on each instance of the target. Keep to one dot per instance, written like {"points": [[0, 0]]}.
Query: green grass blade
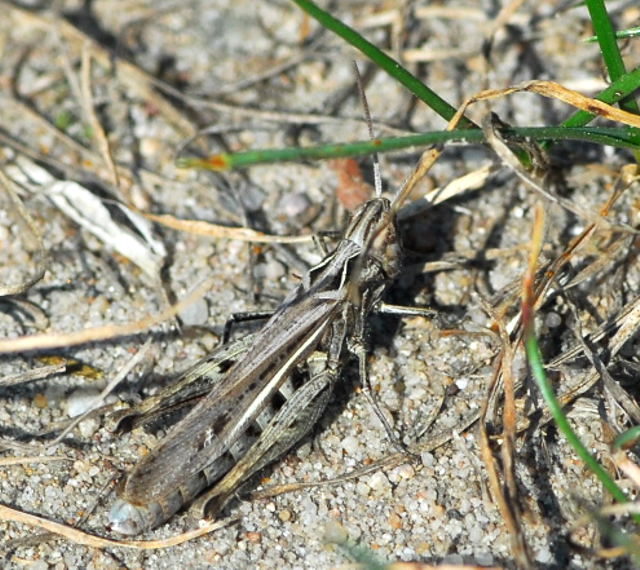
{"points": [[624, 137], [534, 357], [609, 47], [620, 35], [627, 438], [385, 62], [618, 90], [621, 137]]}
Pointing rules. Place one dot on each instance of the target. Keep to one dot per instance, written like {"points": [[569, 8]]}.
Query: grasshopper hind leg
{"points": [[274, 433], [292, 422]]}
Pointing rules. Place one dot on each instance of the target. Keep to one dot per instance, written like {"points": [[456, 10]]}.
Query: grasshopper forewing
{"points": [[277, 384], [192, 384]]}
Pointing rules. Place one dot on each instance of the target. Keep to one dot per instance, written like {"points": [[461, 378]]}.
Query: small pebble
{"points": [[350, 444], [79, 401], [462, 383], [544, 556], [379, 483], [427, 459], [274, 270], [293, 205], [553, 320], [253, 536], [395, 521], [402, 472], [484, 559], [335, 533], [196, 313], [88, 427], [40, 401]]}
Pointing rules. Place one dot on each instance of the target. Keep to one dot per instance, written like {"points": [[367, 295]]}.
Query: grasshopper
{"points": [[263, 402], [266, 391]]}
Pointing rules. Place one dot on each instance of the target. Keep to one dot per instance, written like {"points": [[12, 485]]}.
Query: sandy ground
{"points": [[261, 75]]}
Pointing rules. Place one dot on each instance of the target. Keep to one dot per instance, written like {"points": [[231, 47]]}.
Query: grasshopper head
{"points": [[374, 228]]}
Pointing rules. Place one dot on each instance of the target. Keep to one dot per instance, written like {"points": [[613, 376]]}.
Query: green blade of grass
{"points": [[620, 35], [622, 87], [624, 137], [627, 438], [534, 356], [382, 60], [609, 47], [535, 360], [621, 137]]}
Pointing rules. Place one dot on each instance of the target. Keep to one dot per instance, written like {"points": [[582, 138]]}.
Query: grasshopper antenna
{"points": [[377, 178]]}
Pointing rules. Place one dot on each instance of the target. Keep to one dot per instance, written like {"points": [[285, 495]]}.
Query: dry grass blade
{"points": [[507, 507], [554, 90], [122, 374], [552, 270], [133, 240], [31, 234], [629, 324], [208, 229], [508, 158], [509, 421], [421, 566], [507, 497], [473, 180], [8, 461], [506, 494], [80, 104], [58, 339], [84, 538], [507, 12], [137, 80], [609, 256], [432, 442], [34, 374], [450, 13], [632, 471], [96, 127], [89, 211], [618, 393], [426, 162], [137, 83]]}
